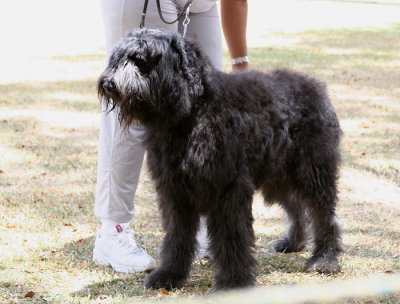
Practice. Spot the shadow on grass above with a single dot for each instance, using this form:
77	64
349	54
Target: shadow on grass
200	282
280	262
131	286
78	253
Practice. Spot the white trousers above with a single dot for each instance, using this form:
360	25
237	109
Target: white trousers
121	153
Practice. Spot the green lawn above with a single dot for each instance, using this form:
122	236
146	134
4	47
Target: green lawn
48	148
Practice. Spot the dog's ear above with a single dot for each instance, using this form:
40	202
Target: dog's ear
192	63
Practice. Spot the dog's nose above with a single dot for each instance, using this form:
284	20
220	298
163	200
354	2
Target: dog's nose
108	85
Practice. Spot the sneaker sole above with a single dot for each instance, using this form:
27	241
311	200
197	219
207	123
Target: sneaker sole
104	261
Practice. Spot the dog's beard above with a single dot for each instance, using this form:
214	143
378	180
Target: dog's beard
131	98
129	81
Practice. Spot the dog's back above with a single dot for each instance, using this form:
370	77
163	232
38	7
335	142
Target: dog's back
272	119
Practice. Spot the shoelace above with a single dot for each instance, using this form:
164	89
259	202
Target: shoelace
126	241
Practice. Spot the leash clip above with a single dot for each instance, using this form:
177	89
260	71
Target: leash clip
186	21
185	9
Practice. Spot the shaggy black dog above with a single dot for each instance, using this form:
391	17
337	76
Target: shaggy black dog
213	139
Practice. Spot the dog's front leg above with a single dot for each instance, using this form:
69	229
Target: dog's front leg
181	222
230	227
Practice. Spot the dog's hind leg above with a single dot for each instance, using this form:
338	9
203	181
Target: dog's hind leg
326	241
230	228
295	238
321	196
181	222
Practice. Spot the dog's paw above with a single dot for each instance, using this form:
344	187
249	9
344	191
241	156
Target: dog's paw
163	279
286	246
325	265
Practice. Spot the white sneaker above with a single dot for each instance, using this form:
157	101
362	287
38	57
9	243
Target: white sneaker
202	251
117	247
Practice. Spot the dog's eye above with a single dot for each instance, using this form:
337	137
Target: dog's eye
140	63
144	66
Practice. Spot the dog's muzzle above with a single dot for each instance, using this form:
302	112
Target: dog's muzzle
108	85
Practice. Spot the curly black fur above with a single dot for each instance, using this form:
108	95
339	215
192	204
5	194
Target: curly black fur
213	139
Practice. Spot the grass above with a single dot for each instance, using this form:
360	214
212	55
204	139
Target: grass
48	148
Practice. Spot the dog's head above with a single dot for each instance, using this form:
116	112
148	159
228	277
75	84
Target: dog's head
154	77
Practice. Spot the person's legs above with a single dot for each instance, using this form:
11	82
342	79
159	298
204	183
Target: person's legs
205	29
121	152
